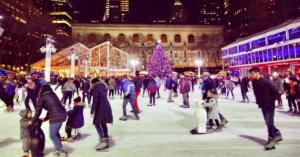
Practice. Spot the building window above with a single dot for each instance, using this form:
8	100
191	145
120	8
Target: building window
292	51
286	52
275	57
265	52
270	55
298	50
135	38
280	55
150	38
107	37
177	38
164	38
191	38
121	37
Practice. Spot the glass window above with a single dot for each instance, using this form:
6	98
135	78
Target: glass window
276	38
261	57
233	50
292	50
270	55
297	50
243	59
253	58
257	57
294	33
274	50
258	43
279	51
249	58
244	47
265	53
285	52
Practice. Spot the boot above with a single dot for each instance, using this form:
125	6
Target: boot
278	137
270	144
60	153
103	144
224	122
123	118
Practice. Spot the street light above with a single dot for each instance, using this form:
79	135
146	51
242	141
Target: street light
134	63
73	57
199	62
48	49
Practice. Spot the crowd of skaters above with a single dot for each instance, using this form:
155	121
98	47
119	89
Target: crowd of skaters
96	93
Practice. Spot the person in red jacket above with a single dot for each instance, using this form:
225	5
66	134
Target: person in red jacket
152	88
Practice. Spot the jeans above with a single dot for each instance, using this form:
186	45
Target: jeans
111	93
102	130
244	95
84	95
67	95
292	102
152	98
185	97
55	136
33	100
269	120
145	89
125	102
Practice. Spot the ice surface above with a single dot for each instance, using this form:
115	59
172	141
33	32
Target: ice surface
163	131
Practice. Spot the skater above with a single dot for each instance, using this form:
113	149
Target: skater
279	87
3	94
169	86
145	85
201	119
101	112
111	86
56	114
138	83
75	120
85	87
229	85
244	83
129	96
77	83
32	93
25	130
184	88
213	114
11	91
152	89
158	83
175	86
68	91
266	94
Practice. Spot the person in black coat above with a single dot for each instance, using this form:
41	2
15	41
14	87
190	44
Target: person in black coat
56	114
146	81
244	83
101	112
85	87
266	94
3	94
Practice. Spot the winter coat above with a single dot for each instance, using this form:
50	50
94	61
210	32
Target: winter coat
76	83
129	88
169	83
138	83
49	101
75	116
265	93
85	86
278	85
158	81
229	85
25	127
152	87
184	86
208	84
69	86
245	85
101	107
212	104
3	94
11	89
112	84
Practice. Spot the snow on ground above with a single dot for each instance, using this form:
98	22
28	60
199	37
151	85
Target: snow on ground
164	131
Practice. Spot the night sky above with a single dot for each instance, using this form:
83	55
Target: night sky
141	10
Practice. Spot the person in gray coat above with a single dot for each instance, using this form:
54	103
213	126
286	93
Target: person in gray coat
25	130
278	83
101	112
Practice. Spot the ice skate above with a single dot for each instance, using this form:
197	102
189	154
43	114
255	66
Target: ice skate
103	145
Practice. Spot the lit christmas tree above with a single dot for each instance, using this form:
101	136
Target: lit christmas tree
159	64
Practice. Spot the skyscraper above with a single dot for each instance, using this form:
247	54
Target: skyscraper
210	12
178	14
116	11
61	12
246	17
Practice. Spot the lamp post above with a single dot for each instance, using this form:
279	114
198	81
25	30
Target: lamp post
199	62
73	57
86	65
134	63
48	50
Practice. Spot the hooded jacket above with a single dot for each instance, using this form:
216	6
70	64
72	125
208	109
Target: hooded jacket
25	128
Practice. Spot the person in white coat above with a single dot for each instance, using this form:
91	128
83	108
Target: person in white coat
213	113
201	119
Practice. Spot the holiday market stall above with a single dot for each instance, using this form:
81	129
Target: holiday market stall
81	60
